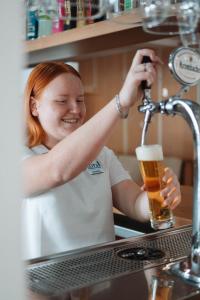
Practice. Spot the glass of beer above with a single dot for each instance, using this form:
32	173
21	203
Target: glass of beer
161	288
150	158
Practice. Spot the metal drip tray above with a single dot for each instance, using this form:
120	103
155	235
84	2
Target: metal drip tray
59	274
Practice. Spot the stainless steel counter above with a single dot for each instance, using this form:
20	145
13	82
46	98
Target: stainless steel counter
134	268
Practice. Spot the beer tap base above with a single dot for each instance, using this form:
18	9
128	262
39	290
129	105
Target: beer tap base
183	269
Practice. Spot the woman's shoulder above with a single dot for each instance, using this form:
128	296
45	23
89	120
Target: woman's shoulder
107	151
106	154
28	152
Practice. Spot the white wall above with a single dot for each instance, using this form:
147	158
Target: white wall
27	71
11	273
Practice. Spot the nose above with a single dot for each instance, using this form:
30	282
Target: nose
74	107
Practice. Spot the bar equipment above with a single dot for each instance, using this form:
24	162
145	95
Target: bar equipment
184	64
160	217
147	101
121	269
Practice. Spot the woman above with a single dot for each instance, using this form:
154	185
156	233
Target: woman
71	181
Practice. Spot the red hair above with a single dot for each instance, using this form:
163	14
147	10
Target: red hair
38	79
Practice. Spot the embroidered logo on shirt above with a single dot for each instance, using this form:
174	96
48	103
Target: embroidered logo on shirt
95	168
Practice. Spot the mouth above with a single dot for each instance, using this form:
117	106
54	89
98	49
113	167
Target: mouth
71	121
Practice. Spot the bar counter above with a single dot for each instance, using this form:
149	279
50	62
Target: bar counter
130	268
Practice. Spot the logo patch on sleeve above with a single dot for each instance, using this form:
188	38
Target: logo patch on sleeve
95	168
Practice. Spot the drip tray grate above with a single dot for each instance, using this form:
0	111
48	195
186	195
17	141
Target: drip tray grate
65	273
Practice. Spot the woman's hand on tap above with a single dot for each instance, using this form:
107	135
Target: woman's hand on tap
131	90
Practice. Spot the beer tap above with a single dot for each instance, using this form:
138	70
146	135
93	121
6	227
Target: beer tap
184	64
148	106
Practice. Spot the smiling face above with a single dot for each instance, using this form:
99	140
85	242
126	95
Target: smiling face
60	108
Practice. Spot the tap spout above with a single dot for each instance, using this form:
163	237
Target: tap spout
150	106
147	120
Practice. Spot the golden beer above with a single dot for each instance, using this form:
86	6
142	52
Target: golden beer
152	171
161	289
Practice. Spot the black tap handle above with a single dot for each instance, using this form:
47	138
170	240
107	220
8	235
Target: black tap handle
144	85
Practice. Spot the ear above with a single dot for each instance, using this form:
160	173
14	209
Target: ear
33	107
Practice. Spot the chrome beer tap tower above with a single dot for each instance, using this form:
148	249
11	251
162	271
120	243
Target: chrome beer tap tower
184	64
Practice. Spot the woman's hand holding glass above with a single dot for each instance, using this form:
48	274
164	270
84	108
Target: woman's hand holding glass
172	192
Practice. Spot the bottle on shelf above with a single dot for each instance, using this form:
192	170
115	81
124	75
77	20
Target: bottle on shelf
128	5
115	8
67	8
45	18
121	5
32	19
88	12
59	17
99	10
80	14
70	14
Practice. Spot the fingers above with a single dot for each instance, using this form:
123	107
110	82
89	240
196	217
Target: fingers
144	76
145	52
147	67
170	178
168	173
171	193
172	199
175	202
144	72
143	188
131	91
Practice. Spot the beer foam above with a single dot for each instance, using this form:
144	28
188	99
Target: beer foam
149	152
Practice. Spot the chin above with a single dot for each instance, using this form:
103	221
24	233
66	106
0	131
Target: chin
63	132
70	129
67	132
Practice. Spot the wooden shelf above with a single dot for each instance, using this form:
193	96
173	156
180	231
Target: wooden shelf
121	31
123	22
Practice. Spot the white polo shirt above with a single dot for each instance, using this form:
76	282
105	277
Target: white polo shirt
73	215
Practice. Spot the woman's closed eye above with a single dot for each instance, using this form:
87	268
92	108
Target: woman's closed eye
80	100
61	101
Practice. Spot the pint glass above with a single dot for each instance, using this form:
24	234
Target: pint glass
150	158
161	288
